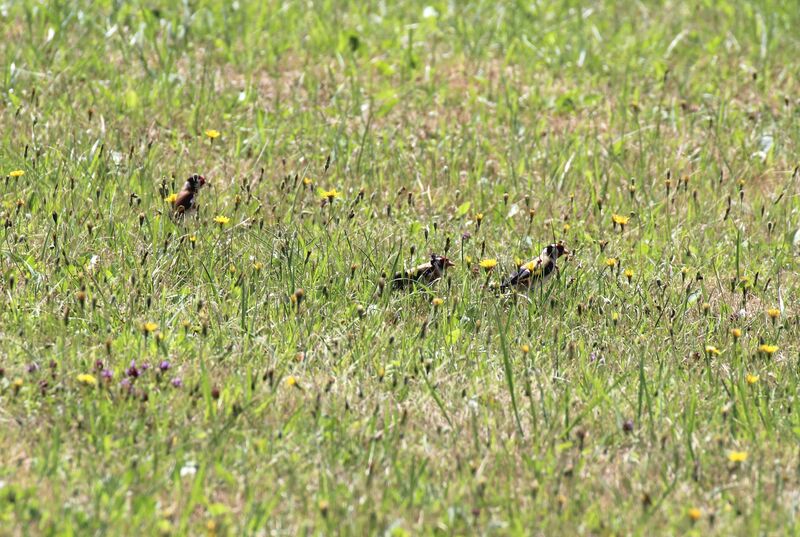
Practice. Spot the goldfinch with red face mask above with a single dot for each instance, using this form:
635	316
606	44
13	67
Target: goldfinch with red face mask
187	197
426	273
537	271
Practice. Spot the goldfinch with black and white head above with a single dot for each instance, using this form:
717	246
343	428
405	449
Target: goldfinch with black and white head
187	197
538	271
426	273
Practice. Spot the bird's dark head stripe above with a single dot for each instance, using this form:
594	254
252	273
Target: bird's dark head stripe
194	182
555	250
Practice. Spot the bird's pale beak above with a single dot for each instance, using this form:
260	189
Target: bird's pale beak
449	263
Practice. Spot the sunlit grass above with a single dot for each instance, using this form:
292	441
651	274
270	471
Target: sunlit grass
250	367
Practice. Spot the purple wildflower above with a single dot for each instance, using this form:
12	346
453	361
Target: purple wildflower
627	426
132	371
177	382
164	365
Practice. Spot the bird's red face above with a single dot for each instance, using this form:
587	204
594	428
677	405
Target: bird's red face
201	180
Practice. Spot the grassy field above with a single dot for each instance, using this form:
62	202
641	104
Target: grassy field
247	370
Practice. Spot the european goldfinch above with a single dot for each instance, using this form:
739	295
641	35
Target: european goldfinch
538	271
426	273
186	199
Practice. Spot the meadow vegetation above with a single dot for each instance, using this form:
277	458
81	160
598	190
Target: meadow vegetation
247	369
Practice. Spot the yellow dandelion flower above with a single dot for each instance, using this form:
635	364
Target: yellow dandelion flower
291	381
736	333
306	181
479	217
18	382
330	195
751	379
737	456
87	379
468	259
694	514
212	133
711	349
525	348
611	262
774	313
437	301
17	173
488	264
619	219
629	274
149	327
171	198
566	227
768	349
232	269
221	220
257	266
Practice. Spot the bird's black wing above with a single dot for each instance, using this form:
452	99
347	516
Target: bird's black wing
522	276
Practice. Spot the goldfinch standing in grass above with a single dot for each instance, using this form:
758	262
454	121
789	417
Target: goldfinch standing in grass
426	273
187	197
538	271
